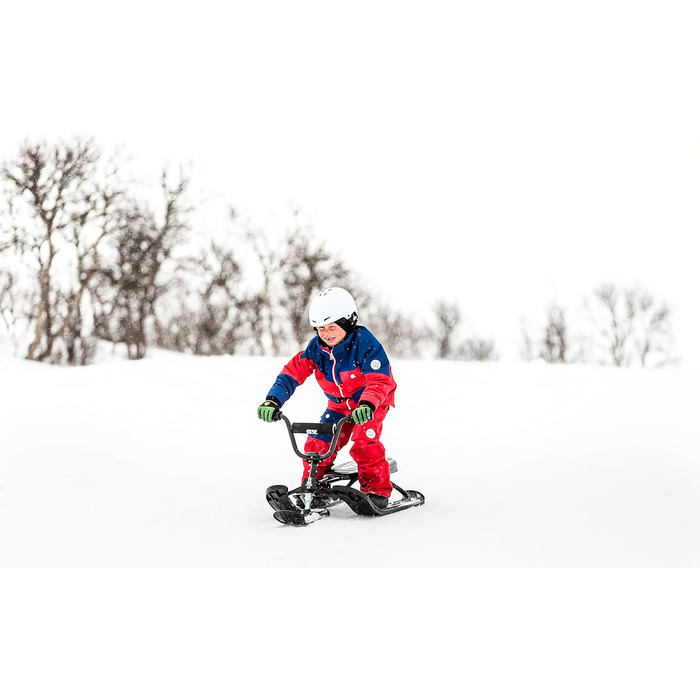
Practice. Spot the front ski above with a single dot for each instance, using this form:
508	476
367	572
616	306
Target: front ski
298	518
362	505
278	498
287	512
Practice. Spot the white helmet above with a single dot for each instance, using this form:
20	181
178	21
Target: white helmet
333	305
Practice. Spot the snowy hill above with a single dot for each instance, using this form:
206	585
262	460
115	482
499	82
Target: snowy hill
163	463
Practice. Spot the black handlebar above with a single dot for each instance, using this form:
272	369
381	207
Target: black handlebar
314	429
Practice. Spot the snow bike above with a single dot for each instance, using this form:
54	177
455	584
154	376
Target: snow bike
311	501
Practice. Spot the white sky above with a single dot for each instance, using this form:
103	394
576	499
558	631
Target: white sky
499	154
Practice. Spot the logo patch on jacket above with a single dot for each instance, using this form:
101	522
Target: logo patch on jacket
375	364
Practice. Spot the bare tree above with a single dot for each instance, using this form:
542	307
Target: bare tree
264	305
252	311
528	342
54	193
618	329
446	335
654	338
631	327
448	318
135	281
476	350
400	334
555	344
15	302
292	267
217	324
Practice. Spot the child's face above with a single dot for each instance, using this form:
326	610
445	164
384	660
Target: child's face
331	334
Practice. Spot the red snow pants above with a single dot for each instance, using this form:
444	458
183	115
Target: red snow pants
367	450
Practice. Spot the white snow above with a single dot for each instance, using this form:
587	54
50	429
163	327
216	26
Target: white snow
163	463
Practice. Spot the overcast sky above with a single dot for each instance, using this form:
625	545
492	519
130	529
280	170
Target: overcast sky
499	154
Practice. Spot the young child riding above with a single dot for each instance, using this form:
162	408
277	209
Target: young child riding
353	370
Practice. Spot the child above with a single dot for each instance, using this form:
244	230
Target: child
353	370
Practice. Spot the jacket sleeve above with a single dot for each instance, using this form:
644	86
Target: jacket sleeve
294	373
375	367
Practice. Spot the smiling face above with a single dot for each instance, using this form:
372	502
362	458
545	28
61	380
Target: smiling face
332	334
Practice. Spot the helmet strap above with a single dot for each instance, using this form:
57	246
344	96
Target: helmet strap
348	324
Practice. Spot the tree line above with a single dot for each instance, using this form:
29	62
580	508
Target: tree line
618	326
89	254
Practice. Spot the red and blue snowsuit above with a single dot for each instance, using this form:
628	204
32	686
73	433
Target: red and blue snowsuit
354	370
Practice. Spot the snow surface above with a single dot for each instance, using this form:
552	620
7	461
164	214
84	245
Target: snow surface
163	462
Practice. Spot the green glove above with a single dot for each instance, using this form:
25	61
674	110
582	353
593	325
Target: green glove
363	413
269	409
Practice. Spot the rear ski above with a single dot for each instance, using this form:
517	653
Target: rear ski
362	505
